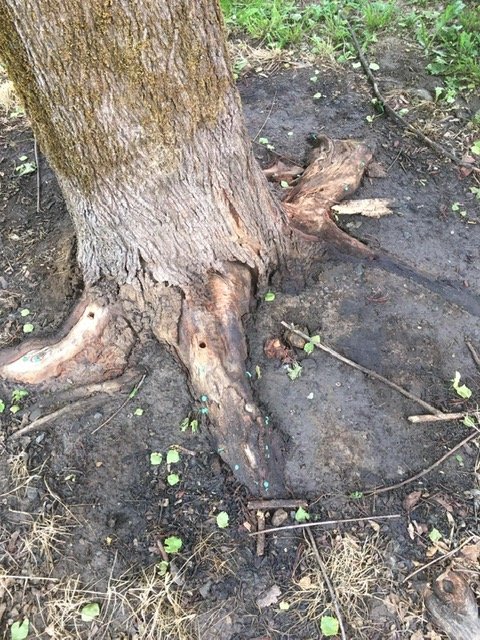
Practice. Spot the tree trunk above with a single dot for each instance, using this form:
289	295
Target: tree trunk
134	105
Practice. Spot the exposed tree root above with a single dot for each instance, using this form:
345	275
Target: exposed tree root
334	172
453	606
93	346
212	346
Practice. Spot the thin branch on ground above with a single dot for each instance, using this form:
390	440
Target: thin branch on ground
368	372
435	560
439	149
473	351
325	523
444	417
328	582
267	118
266	505
84	403
419	475
130	396
39	175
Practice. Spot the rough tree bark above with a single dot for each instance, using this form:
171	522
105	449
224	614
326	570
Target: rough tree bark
134	106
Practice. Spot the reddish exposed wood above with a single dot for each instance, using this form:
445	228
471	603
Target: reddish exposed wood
453	606
95	348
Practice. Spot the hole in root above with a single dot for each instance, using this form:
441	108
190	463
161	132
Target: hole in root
202	345
91	315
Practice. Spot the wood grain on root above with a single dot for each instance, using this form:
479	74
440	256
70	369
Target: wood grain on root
93	346
453	606
212	346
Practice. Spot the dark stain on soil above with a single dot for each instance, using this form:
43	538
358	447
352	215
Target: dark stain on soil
347	433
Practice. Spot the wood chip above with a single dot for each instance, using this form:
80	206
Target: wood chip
368	207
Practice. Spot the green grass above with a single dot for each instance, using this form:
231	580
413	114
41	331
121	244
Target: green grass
448	33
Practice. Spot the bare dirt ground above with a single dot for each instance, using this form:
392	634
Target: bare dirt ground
83	512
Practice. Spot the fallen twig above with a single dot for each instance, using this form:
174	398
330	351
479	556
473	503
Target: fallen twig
439	149
324	523
330	587
443	417
266	505
435	560
397	485
261	533
473	351
368	372
131	395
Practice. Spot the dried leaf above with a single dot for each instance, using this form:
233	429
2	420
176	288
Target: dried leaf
269	597
471	553
411	500
275	348
376	170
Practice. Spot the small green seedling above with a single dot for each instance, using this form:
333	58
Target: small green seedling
189	424
269	296
459	459
25	312
222	520
19	630
475	148
2	406
17	396
173	456
284	605
162	567
329	626
284	184
317	96
173	479
356	495
456	209
26	167
309	346
461	390
301	515
172	544
468	421
138	412
28	327
294	371
155	458
90	611
435	535
476	192
373	66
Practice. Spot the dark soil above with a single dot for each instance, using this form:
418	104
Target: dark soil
347	433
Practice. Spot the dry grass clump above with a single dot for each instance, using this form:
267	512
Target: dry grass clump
358	574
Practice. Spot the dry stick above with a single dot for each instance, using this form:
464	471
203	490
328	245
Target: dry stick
39	177
324	523
441	418
333	595
115	413
267	118
435	560
441	151
475	356
368	372
255	505
84	403
473	435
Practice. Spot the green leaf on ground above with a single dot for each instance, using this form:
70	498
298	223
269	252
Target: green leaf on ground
461	390
2	406
329	626
25	312
374	66
435	535
301	515
156	458
309	347
138	412
90	611
475	148
28	327
222	520
173	479
173	456
172	544
19	630
468	421
269	296
294	371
